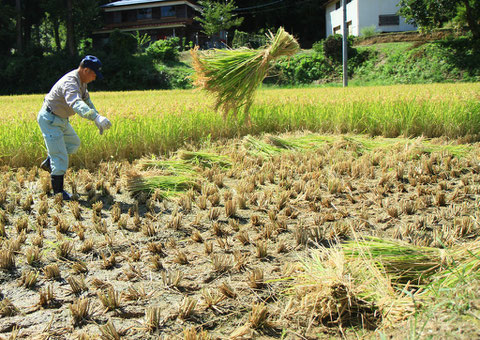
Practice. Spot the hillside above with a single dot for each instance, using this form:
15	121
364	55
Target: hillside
385	60
421	61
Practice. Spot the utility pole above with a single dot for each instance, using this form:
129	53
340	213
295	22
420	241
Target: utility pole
344	45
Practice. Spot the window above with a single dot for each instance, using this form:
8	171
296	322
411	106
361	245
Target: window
388	20
144	14
117	17
339	30
168	11
338	4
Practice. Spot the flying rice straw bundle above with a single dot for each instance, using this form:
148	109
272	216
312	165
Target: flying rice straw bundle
234	75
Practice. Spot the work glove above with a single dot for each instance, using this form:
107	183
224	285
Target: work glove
102	123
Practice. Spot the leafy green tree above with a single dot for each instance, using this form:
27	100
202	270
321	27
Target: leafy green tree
7	28
434	13
218	16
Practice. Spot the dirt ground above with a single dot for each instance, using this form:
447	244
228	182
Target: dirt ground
405	37
219	258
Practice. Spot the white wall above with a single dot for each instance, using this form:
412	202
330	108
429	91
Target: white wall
334	17
369	11
364	13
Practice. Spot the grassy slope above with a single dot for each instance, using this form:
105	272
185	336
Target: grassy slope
419	63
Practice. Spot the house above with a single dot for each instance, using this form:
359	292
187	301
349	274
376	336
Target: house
159	19
383	14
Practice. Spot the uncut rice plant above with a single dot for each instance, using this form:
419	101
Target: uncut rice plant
141	127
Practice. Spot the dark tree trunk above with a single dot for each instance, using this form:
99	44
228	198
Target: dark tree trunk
472	19
56	34
70	32
19	25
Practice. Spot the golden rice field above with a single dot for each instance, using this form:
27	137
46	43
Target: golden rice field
158	122
339	213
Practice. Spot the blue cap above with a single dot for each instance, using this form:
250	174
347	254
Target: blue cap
94	64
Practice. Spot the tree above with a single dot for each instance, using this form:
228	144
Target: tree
70	29
217	16
7	28
19	25
434	13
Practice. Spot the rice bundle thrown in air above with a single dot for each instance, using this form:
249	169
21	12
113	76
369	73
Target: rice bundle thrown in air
234	75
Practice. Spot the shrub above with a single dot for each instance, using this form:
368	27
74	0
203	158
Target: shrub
243	39
318	47
368	31
121	44
302	69
164	50
332	47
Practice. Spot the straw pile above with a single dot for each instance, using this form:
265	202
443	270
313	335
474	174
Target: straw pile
234	75
334	289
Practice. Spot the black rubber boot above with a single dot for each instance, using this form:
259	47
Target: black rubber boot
46	165
57	186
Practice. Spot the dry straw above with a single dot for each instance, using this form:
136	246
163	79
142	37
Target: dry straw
234	75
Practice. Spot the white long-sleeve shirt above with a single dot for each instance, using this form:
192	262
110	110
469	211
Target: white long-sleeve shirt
69	96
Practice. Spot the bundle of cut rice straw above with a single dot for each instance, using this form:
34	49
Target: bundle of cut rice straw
234	75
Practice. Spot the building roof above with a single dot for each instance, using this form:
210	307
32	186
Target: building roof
132	3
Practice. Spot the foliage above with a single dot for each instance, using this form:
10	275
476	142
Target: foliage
434	13
164	50
244	39
143	41
218	16
120	43
7	29
332	47
318	46
368	31
177	77
302	69
33	73
37	74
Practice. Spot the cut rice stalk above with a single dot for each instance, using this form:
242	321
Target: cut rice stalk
415	264
464	269
205	159
259	148
234	75
170	166
282	143
402	261
165	186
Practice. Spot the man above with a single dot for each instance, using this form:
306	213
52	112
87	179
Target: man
68	96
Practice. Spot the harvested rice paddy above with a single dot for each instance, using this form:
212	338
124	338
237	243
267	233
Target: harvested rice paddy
290	236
